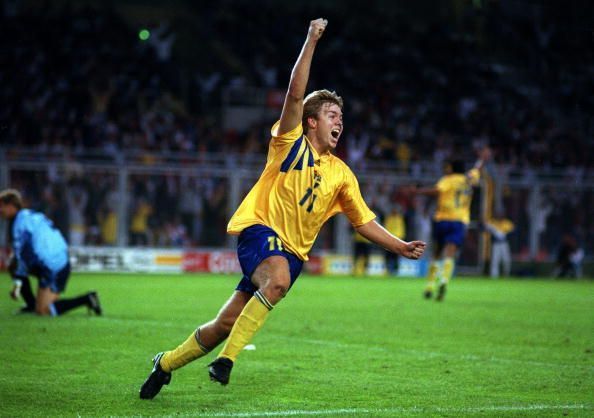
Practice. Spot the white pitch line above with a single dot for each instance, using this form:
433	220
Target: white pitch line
391	411
426	354
433	354
142	321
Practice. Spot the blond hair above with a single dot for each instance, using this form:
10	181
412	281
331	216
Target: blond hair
314	101
11	197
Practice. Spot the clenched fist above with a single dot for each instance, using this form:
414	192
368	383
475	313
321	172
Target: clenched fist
316	28
413	250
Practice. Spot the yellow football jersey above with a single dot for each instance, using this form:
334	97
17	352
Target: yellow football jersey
298	191
455	196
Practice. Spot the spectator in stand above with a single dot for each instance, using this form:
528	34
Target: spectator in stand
77	199
361	254
108	226
139	230
395	224
190	207
500	227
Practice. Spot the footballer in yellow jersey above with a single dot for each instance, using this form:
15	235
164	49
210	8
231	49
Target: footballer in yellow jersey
454	196
298	192
303	184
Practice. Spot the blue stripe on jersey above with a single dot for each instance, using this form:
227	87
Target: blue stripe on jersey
299	165
310	161
292	155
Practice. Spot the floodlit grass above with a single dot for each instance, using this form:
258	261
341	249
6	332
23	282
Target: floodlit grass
334	347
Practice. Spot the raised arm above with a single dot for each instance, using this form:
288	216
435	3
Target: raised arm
293	106
484	156
377	234
494	231
427	191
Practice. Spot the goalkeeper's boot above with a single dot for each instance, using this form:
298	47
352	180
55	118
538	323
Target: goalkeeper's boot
441	291
220	370
94	304
153	384
427	294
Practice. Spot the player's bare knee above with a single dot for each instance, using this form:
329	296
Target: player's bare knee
273	278
42	310
270	269
276	289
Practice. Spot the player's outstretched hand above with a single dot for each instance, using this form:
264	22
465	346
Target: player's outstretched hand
12	265
413	250
316	28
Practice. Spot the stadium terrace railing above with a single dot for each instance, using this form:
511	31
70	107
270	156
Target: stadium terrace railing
579	176
541	204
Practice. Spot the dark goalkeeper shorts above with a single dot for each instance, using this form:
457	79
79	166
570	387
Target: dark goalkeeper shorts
255	244
55	280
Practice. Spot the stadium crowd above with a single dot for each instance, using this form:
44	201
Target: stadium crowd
82	83
83	80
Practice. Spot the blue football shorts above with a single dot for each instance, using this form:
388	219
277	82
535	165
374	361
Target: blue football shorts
445	232
255	244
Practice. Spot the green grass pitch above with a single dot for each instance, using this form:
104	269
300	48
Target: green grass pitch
341	346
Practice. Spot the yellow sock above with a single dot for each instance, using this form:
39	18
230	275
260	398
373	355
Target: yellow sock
186	352
432	276
248	323
448	269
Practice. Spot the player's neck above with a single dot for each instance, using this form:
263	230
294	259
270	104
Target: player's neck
320	147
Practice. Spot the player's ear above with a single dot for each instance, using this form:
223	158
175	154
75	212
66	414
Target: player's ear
312	122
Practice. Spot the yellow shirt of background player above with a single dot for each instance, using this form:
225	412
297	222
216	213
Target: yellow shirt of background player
455	196
298	191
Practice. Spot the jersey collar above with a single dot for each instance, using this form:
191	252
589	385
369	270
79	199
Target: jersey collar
318	159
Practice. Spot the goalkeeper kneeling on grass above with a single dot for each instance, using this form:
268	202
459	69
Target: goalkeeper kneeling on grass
39	249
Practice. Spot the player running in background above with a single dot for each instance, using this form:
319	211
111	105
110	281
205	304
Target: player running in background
452	215
39	249
301	187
